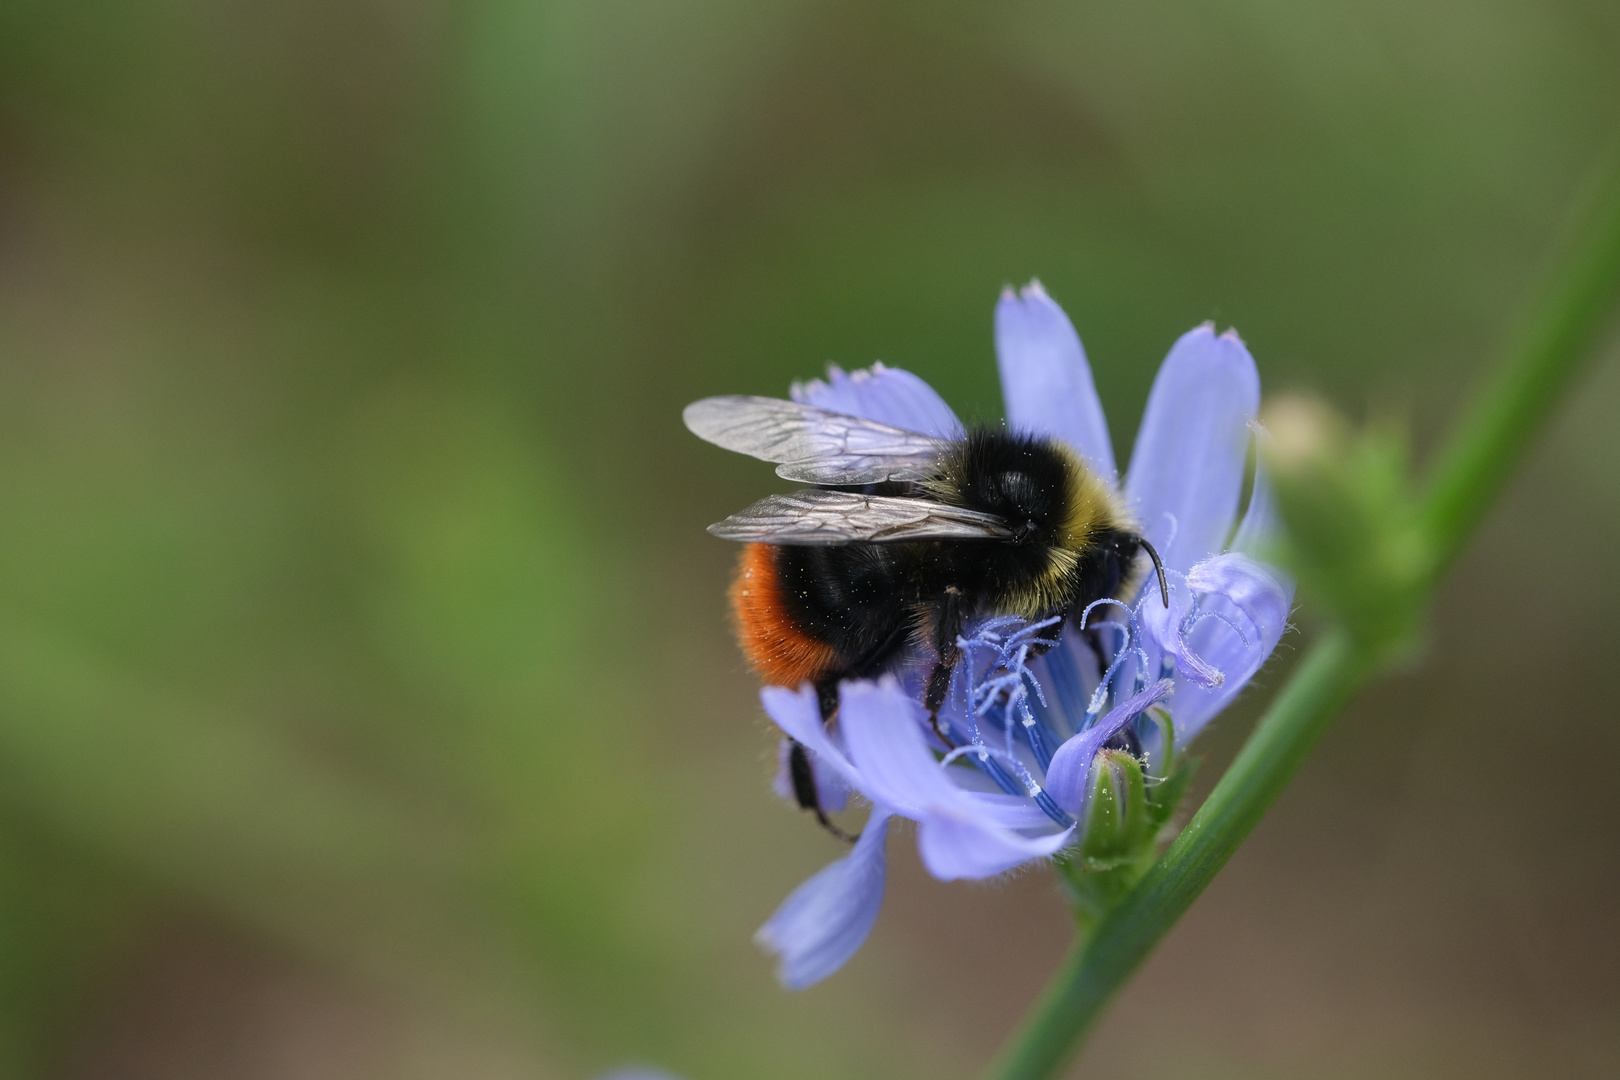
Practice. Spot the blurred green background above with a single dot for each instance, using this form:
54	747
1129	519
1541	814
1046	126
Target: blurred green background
367	706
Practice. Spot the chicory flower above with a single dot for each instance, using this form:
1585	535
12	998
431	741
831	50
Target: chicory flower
1028	719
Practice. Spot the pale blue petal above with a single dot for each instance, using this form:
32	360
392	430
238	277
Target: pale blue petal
831	791
1009	811
1069	775
822	924
960	833
1045	380
885	394
956	846
1259	527
881	727
637	1073
1186	473
1162	627
798	714
1250	597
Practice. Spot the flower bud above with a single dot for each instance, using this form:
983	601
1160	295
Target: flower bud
1118	843
1117	820
1353	537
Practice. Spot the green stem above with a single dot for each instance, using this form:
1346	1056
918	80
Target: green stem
1546	355
1470	471
1327	677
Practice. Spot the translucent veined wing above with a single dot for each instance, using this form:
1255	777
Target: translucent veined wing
813	446
820	516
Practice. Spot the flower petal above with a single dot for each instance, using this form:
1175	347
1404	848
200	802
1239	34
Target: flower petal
1248	595
953	847
881	727
1165	628
832	794
885	394
960	834
1045	380
1186	472
1067	777
825	920
1260	521
1008	811
798	714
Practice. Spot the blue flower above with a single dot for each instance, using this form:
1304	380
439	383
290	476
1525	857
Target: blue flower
1028	725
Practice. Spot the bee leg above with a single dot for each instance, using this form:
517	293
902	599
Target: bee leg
803	776
939	681
1041	646
827	698
946	631
1127	740
1093	639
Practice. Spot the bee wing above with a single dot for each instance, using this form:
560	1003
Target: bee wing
820	516
813	446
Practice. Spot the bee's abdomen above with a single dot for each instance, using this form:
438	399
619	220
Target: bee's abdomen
813	613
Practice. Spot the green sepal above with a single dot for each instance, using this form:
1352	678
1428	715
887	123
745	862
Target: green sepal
1127	815
1117	812
1167	778
1159	717
1165	796
1118	842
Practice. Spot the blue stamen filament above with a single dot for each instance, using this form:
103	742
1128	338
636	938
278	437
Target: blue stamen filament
1009	688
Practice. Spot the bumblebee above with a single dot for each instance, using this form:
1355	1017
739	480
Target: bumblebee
899	540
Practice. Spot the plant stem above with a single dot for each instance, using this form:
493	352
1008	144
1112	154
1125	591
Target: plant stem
1547	354
1326	678
1470	471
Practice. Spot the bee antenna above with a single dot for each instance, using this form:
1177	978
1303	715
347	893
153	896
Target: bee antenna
1158	567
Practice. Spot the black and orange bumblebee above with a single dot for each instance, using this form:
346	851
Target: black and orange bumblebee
900	540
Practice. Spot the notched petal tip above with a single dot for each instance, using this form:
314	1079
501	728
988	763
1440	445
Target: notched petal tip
798	714
826	920
1192	447
1046	382
889	395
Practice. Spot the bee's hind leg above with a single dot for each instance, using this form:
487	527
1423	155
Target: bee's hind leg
827	698
802	771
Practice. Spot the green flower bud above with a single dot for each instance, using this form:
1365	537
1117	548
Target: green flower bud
1127	813
1353	536
1117	818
